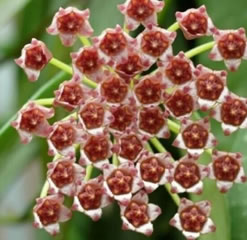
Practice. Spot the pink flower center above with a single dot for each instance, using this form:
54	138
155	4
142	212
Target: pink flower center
131	146
195	136
137	213
123	117
114	90
30	120
140	10
120	182
35	58
187	174
152	170
151	120
63	174
192	219
97	148
178	71
63	137
180	103
92	115
88	61
154	43
90	197
209	86
226	168
70	23
113	44
49	212
148	91
231	46
195	23
233	112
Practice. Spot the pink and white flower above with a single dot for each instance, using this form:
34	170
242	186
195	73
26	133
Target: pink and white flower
195	22
227	169
64	136
154	170
231	113
193	219
91	198
230	46
138	12
210	86
49	211
64	175
138	214
187	176
34	57
121	182
70	22
32	120
195	137
96	150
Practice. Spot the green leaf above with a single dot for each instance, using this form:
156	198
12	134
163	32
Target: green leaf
10	8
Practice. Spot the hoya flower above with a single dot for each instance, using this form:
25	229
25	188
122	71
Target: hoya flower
193	219
195	22
95	150
129	146
64	175
71	94
181	103
34	57
230	46
226	169
114	90
195	137
91	198
151	122
148	90
138	12
210	86
88	62
124	118
32	120
113	44
70	22
94	117
139	214
122	181
64	136
156	43
232	113
128	67
177	70
154	170
187	176
49	211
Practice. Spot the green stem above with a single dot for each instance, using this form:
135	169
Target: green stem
45	101
61	65
174	27
158	145
200	49
85	41
175	197
173	126
89	171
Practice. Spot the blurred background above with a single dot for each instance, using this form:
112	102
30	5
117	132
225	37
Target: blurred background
23	168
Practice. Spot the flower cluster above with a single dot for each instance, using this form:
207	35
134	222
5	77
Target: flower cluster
112	124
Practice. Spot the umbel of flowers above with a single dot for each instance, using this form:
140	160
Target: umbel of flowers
113	123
